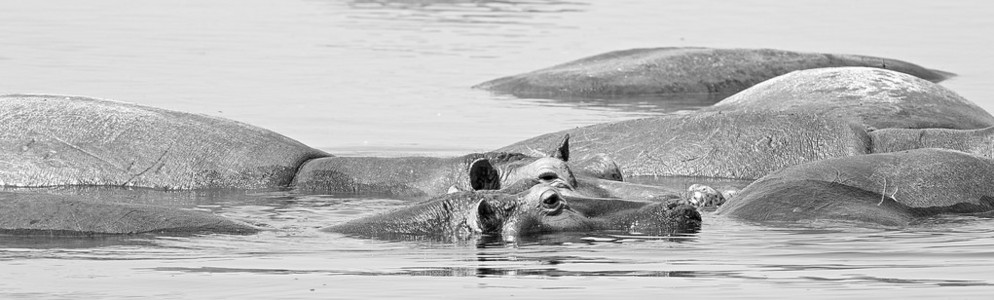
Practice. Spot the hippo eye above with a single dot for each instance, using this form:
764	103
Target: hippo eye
551	201
548	176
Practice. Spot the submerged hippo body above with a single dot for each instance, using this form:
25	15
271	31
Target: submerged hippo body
45	214
514	213
61	140
749	137
887	188
680	71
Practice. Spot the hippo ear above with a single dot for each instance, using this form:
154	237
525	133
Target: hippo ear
483	175
453	189
484	218
562	150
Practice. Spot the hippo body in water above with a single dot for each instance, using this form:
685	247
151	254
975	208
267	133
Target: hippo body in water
655	71
887	188
61	215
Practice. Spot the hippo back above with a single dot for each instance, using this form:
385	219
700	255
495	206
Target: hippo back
877	97
61	140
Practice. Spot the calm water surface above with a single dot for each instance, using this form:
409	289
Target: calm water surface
391	78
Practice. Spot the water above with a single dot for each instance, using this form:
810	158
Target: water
391	78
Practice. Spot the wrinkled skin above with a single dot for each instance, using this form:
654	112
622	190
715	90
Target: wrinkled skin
977	141
46	214
749	137
61	140
888	188
875	97
689	70
513	213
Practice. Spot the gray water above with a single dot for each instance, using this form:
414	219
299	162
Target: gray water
391	78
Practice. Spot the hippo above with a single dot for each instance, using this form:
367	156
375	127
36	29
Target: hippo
680	70
522	210
741	139
891	189
423	177
414	177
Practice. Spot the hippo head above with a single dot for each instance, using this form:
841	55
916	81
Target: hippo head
535	209
548	169
489	171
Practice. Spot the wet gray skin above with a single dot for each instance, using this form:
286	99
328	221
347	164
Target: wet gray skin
526	208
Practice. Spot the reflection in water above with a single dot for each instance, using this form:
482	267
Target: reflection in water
546	239
458	272
648	105
138	195
492	272
70	242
